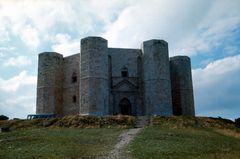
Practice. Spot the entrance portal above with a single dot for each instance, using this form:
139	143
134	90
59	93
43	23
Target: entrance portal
125	107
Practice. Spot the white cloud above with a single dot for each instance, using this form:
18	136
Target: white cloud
18	95
14	83
189	26
18	61
29	36
4	34
18	106
6	48
207	38
158	19
65	45
217	88
31	21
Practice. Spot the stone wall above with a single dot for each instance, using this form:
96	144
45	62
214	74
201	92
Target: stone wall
124	57
126	87
49	85
157	85
71	87
182	88
94	80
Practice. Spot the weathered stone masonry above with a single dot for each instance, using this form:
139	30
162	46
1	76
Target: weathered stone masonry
108	81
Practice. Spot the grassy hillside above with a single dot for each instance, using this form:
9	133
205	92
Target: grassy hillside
181	137
88	137
68	137
58	143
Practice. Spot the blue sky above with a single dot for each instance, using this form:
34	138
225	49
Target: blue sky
206	30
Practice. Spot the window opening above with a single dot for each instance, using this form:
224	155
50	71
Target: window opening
74	77
124	71
74	98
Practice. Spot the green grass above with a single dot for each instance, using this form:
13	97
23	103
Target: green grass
58	143
89	137
156	142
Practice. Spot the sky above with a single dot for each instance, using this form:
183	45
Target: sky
208	31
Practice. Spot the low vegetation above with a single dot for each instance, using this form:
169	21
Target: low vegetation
57	143
67	137
237	122
92	137
185	137
74	121
3	117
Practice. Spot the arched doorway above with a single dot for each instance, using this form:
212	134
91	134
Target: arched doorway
125	107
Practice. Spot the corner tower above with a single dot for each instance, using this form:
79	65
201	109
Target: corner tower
49	84
157	85
182	88
94	84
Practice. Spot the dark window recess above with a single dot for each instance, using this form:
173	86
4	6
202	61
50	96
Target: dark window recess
74	98
124	71
74	77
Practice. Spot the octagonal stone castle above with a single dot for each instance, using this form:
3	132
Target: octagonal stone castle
103	81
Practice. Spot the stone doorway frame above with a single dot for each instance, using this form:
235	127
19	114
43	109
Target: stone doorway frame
125	106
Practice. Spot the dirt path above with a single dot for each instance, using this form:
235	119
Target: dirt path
125	138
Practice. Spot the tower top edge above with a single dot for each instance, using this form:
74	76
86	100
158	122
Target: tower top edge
180	57
93	38
50	54
155	41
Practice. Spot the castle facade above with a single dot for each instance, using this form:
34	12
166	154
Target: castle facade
103	81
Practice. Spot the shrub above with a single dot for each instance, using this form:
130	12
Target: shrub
226	120
3	117
237	122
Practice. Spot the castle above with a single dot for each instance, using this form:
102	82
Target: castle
103	81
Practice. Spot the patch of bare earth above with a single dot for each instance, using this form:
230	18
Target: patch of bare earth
125	138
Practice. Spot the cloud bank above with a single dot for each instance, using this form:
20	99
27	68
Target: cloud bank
217	88
18	95
208	31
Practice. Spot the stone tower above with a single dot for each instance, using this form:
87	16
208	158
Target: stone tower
157	84
94	82
49	84
182	88
109	81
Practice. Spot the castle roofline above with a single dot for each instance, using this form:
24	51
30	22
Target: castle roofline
179	57
153	41
93	38
71	55
124	48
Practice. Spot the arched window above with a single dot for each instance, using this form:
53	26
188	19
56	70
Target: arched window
74	77
74	99
124	71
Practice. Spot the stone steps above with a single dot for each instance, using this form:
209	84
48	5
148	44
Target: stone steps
142	121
